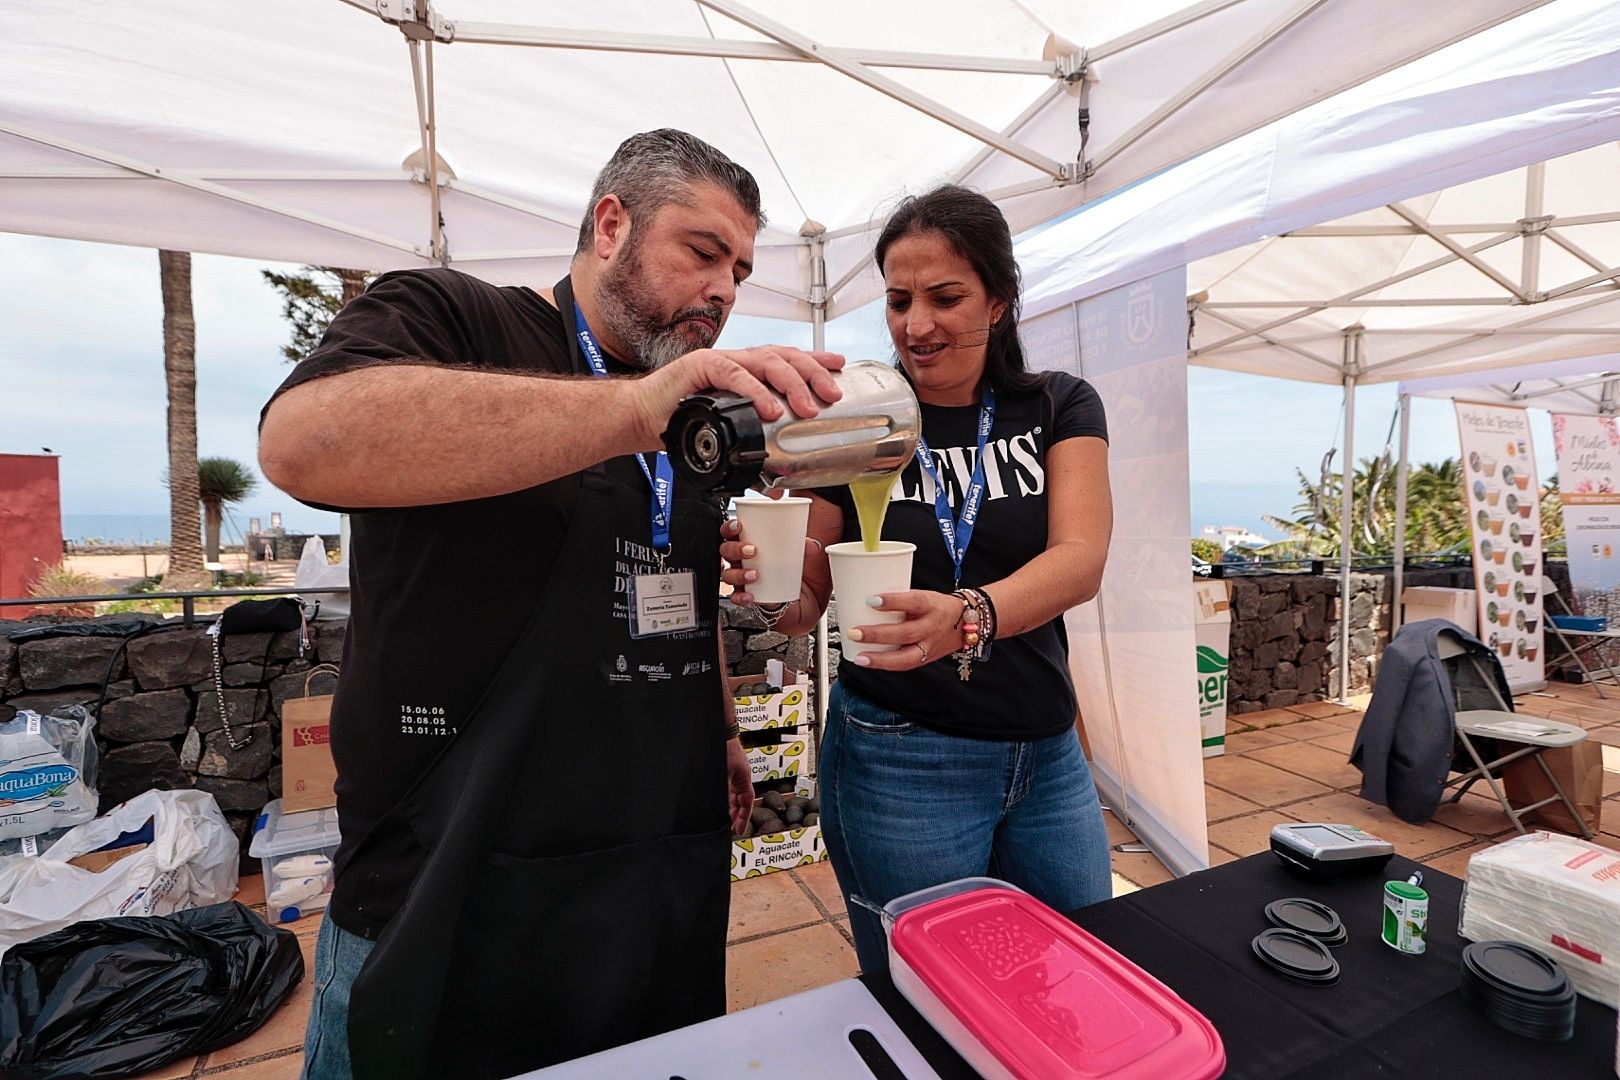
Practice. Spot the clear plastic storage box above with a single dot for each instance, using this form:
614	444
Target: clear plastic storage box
297	852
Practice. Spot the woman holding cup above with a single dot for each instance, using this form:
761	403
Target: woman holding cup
950	748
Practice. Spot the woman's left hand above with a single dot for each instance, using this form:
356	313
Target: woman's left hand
929	631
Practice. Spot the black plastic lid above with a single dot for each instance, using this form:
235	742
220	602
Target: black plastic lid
1309	917
1518	989
1296	955
1515	967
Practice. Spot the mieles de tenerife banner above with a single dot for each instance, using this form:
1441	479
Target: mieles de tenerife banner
1504	511
1588	478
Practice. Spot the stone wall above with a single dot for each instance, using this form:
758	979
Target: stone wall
750	644
1282	627
161	726
1285	631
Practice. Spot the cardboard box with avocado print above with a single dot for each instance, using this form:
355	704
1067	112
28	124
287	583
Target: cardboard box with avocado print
791	757
788	812
790	707
757	855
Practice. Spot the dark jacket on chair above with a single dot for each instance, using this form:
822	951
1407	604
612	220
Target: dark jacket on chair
1404	746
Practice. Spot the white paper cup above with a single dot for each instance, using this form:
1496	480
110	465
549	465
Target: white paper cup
858	574
776	528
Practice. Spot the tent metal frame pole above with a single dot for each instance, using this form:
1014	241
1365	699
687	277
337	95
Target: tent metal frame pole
1260	333
1501	279
146	170
1553	222
1534	228
1222	68
1324	305
1376	286
1481	335
422	83
840	61
1551	233
818	341
1347	545
1170	23
550	37
1602	379
1404	403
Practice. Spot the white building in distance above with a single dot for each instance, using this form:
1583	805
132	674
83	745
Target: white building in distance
1229	536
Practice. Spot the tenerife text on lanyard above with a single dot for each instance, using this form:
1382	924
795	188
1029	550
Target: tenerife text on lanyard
664	602
957	531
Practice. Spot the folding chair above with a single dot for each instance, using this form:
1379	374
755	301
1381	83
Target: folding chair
1577	643
1519	736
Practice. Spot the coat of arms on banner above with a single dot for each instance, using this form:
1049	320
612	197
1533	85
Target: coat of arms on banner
1141	315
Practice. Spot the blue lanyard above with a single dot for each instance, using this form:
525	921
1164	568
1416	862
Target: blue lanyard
663	485
958	531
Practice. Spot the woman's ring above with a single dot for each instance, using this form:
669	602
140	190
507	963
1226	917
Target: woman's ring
923	649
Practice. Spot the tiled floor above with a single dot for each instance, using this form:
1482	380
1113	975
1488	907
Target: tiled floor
789	931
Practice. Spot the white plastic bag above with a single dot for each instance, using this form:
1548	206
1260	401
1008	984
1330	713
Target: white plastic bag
191	862
47	772
314	572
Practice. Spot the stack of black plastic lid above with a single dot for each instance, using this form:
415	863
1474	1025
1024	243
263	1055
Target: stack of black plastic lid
1297	955
1309	918
1519	990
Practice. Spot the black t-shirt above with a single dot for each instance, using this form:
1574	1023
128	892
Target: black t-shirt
434	612
1023	690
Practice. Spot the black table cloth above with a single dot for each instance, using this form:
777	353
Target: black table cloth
1388	1015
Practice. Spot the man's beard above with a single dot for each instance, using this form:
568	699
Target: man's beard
652	340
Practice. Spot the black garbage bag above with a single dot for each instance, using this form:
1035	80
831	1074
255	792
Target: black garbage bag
117	997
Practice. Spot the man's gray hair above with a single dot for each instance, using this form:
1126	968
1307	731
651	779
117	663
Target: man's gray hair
651	170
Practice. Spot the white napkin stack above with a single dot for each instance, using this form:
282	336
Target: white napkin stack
1557	894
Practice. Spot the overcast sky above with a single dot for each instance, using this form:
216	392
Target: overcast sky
81	372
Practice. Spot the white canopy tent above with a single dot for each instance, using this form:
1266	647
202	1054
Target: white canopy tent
388	133
1456	224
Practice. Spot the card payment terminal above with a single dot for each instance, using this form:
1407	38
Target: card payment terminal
1327	852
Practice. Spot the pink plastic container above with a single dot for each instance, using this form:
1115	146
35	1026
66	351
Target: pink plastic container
1024	994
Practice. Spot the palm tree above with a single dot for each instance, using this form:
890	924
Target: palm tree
180	375
1436	512
310	300
1552	516
220	482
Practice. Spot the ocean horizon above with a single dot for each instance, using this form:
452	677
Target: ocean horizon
1212	504
138	529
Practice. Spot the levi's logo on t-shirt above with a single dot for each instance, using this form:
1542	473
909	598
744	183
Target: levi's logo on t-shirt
1013	467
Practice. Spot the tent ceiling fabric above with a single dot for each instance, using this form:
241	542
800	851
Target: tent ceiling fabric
1513	268
1510	258
283	132
1587	385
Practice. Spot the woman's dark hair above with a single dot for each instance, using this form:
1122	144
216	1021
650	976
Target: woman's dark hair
974	228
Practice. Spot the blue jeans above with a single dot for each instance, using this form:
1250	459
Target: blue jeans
904	807
338	959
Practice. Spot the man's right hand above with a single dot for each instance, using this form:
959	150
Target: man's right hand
803	378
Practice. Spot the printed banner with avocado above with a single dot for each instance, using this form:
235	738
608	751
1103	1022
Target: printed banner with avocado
1504	511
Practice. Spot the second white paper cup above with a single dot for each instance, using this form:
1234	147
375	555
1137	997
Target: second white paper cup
858	574
776	528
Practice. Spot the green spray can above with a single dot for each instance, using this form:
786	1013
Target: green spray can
1406	916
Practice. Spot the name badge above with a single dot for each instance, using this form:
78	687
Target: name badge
662	603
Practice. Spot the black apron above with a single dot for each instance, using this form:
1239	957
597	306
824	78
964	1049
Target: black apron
575	891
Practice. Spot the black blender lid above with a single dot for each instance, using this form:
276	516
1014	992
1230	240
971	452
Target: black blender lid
1515	967
1309	917
1296	955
